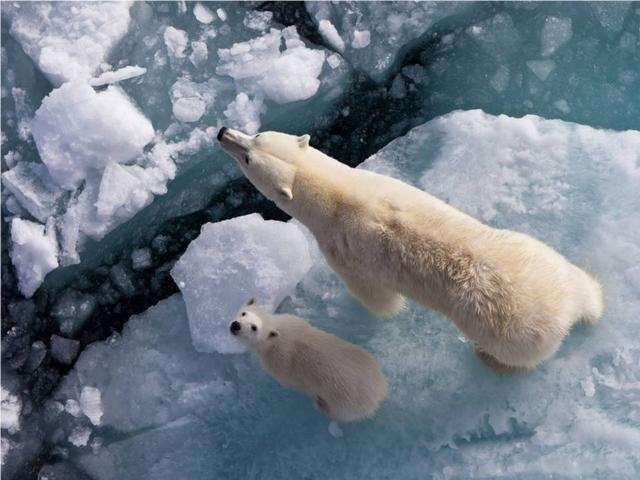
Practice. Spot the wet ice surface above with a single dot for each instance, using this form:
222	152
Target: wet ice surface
80	399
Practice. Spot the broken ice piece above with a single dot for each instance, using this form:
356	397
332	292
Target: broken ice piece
124	73
64	350
91	404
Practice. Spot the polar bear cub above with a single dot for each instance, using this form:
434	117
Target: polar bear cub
344	381
512	295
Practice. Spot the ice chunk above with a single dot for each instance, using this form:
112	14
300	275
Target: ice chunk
176	41
244	113
372	34
34	253
11	408
36	355
259	66
611	15
331	35
190	100
34	188
79	437
203	14
222	14
497	36
91	404
68	42
79	131
141	259
72	309
230	262
555	33
121	278
124	73
199	53
64	350
121	193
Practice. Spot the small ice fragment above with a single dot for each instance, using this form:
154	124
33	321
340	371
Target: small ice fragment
500	80
141	258
222	14
203	14
189	109
11	406
334	60
331	35
34	253
541	68
588	387
72	309
64	350
199	53
121	279
91	404
361	39
176	41
36	355
256	20
334	430
80	436
124	73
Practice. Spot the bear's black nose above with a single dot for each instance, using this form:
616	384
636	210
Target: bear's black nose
221	132
235	327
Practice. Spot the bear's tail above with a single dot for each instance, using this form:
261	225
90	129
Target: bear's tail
592	300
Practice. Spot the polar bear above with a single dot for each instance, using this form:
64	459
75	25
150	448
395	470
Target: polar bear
344	381
512	295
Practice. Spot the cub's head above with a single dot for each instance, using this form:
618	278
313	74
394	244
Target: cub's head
251	327
268	159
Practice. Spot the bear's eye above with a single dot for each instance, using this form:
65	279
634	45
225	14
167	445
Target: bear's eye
254	328
243	314
246	159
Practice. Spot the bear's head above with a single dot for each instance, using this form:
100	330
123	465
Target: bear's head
251	325
269	159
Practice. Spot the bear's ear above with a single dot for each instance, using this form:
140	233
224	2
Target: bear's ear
251	301
286	193
273	334
303	141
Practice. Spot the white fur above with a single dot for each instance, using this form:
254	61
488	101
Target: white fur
514	296
344	381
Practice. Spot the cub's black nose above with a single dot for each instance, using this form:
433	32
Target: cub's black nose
235	327
221	132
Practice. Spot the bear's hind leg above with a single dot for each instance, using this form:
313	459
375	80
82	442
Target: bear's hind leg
495	364
379	300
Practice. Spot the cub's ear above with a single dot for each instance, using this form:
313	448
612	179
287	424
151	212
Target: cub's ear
286	193
303	141
273	334
251	301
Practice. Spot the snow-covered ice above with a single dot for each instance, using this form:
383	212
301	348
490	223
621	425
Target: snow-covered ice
229	263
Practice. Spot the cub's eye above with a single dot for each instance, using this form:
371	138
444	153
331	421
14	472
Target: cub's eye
246	159
254	328
243	314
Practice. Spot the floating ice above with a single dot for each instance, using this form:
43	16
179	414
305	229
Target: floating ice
260	66
203	14
68	42
11	408
555	33
230	262
34	189
542	68
190	100
176	41
124	73
141	259
80	436
34	253
72	309
79	131
256	20
371	34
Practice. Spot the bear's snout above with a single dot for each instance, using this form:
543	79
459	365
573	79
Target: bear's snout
235	327
221	132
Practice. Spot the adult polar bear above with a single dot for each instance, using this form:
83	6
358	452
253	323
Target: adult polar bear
514	296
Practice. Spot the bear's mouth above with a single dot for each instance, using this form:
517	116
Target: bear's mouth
234	142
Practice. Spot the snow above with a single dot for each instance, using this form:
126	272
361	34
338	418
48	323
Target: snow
124	73
236	260
34	253
34	189
78	131
68	43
